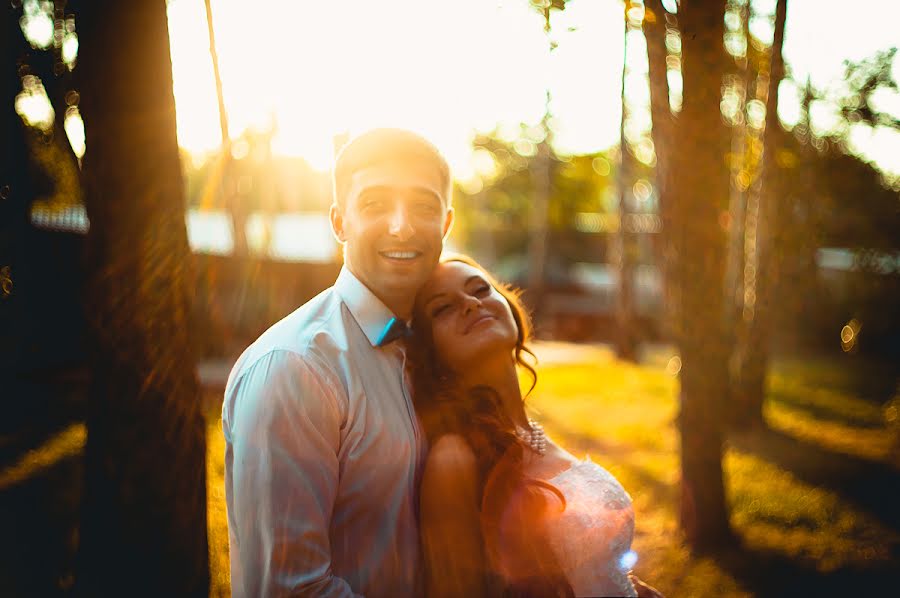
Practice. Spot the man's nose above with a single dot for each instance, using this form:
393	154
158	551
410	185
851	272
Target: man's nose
400	225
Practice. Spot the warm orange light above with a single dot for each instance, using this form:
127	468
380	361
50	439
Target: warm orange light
445	69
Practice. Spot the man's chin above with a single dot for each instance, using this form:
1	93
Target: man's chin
409	280
402	283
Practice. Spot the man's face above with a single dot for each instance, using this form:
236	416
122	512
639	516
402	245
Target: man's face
393	222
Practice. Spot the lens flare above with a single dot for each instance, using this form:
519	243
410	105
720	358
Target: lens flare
627	560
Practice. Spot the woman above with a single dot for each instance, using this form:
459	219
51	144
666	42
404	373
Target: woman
504	510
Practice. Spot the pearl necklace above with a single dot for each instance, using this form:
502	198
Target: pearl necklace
536	439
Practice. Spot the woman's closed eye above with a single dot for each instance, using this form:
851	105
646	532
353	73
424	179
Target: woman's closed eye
440	310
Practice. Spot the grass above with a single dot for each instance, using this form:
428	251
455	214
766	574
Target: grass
814	500
796	535
219	567
67	443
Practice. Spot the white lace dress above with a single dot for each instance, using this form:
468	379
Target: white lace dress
592	537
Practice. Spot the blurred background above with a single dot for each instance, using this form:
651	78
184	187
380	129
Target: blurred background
700	200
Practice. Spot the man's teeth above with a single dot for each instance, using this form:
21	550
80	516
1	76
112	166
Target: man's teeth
400	255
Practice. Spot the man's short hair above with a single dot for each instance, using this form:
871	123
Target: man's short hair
379	146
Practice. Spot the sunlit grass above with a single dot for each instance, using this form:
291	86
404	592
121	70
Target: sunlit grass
67	443
867	443
773	510
820	403
219	566
623	415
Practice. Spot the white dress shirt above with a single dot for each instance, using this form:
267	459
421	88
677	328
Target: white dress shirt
322	456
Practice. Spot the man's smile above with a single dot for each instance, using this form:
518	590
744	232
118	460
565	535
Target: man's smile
400	255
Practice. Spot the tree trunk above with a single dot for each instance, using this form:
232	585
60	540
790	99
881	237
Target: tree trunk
754	353
224	180
623	240
741	152
144	515
654	27
537	242
699	180
543	187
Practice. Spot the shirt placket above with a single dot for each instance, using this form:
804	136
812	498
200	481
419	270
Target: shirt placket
407	395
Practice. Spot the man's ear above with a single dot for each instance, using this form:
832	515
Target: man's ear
336	215
448	222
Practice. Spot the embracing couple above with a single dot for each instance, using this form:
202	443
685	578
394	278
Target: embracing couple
377	441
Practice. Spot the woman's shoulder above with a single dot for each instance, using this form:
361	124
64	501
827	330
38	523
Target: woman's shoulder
450	479
451	451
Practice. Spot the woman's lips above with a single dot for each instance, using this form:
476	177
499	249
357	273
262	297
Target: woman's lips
478	321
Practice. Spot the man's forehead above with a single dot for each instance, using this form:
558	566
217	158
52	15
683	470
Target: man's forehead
397	175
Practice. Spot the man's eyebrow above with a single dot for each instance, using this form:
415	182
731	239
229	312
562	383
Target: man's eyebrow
374	189
389	186
431	193
417	192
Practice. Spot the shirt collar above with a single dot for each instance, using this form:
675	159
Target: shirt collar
369	312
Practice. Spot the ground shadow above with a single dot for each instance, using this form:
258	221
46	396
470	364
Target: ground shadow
873	379
871	485
37	407
39	518
39	510
766	573
798	400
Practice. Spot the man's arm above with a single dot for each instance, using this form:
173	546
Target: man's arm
285	433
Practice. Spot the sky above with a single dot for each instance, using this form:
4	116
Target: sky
449	69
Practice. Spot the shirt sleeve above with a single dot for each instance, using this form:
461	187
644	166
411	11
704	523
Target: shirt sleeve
284	439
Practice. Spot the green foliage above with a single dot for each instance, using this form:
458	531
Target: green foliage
863	79
501	209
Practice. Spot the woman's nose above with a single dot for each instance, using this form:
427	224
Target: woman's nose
470	302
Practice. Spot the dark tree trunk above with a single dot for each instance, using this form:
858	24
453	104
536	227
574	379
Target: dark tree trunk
753	355
655	26
699	181
144	519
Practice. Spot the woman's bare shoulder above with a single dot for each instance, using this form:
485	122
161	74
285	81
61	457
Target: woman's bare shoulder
450	480
451	452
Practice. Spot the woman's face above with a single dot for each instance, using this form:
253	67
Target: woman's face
469	319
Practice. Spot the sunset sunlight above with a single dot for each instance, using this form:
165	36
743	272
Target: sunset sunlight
445	69
450	298
310	71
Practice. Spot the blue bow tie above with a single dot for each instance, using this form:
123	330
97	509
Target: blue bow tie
395	329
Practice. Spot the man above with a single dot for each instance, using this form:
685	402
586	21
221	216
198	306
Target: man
323	448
